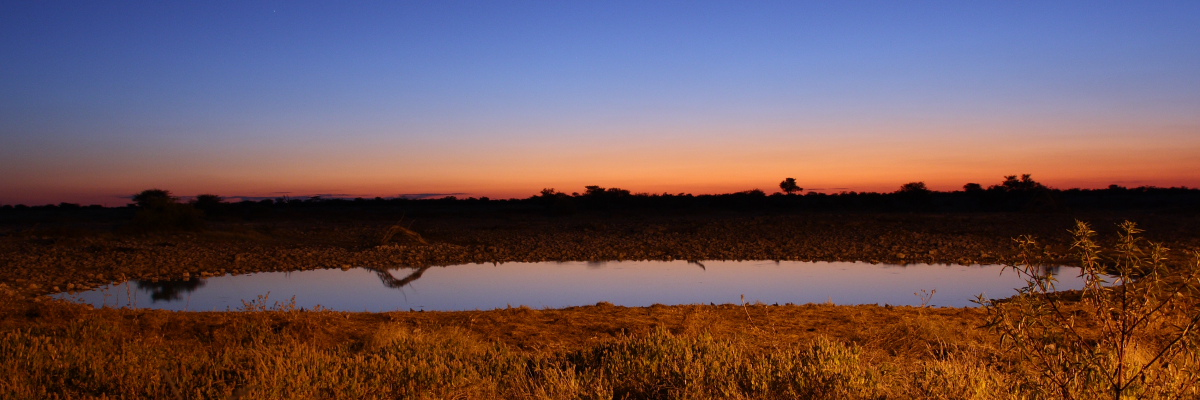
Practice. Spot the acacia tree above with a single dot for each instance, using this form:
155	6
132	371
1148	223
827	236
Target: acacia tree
208	199
210	204
914	188
1012	184
153	199
789	186
158	210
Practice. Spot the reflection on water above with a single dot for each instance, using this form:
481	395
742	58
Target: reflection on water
1049	270
555	285
390	281
169	290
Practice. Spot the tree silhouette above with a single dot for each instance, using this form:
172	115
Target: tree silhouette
210	204
913	188
154	199
1012	184
158	210
170	290
207	201
789	186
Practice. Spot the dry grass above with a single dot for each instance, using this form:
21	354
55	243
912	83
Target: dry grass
56	350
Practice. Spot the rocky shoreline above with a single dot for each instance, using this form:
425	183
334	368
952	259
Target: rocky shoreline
40	261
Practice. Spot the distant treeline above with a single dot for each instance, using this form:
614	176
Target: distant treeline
1021	194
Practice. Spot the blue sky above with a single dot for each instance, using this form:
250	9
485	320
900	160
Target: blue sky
100	99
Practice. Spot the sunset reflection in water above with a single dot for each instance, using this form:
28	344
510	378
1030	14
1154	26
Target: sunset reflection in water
556	285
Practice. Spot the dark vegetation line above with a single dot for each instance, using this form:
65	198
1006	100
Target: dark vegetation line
1014	194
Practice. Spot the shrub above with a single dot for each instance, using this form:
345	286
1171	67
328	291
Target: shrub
158	210
1132	334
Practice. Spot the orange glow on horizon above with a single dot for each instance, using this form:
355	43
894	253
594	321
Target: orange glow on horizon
671	162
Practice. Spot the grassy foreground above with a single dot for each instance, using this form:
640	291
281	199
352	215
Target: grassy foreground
55	350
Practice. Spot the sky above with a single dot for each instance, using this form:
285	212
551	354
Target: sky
100	100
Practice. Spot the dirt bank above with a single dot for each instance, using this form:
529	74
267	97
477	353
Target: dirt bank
42	259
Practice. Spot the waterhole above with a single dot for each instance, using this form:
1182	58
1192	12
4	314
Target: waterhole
565	284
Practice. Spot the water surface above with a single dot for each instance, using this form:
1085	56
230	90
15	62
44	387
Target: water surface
556	285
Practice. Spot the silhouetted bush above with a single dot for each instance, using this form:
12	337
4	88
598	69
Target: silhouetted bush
913	188
913	196
1012	184
158	211
212	205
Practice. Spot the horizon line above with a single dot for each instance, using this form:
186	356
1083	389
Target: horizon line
287	195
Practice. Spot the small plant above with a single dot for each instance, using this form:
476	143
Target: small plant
926	296
1131	337
261	304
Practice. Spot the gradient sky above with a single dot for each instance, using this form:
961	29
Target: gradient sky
99	100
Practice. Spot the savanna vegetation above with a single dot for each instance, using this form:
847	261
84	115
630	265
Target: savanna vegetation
1131	333
159	208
